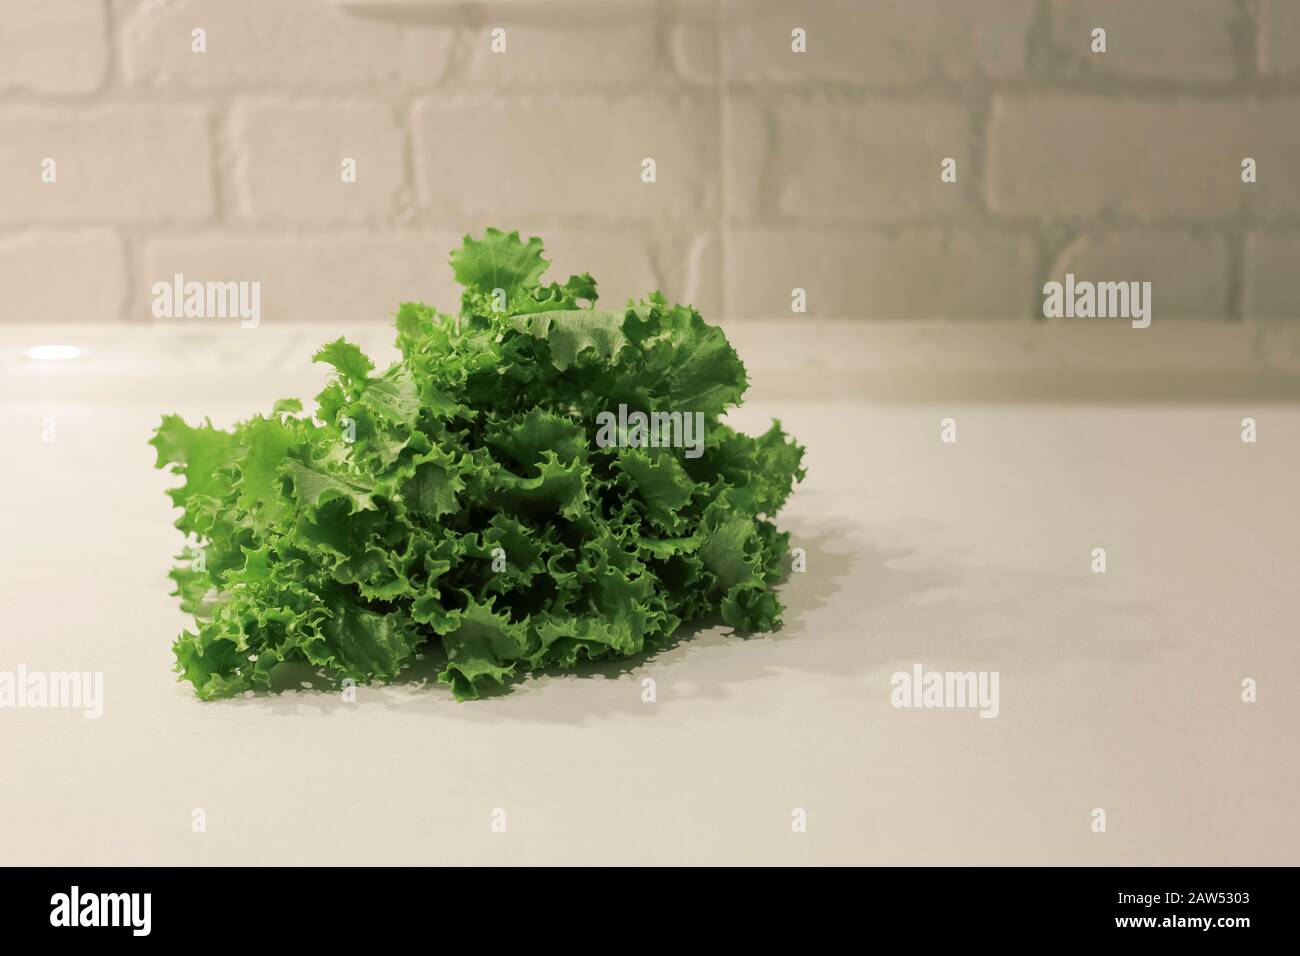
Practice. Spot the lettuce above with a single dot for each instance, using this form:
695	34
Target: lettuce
462	497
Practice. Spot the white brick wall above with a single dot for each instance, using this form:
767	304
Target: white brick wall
1181	40
323	275
72	276
606	47
1279	36
1190	270
847	273
488	158
1270	256
884	166
112	164
881	43
54	46
775	169
1147	159
259	45
288	162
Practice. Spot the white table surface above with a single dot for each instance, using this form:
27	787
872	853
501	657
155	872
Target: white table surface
1119	691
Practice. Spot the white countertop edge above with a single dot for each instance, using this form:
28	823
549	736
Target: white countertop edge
1184	359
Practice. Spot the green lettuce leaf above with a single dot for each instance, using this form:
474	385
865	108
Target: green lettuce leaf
467	501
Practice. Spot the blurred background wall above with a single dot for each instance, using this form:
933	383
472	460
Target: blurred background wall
775	169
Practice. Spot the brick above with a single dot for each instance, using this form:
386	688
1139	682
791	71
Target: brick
881	43
365	278
819	159
1188	272
255	44
1271	290
915	273
498	161
1078	156
114	163
327	278
602	47
623	263
1193	42
701	272
630	264
63	277
287	165
54	46
1279	36
693	42
748	143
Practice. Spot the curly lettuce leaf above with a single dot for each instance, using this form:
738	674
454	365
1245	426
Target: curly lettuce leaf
466	500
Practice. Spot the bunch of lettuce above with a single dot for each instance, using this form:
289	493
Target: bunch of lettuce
459	498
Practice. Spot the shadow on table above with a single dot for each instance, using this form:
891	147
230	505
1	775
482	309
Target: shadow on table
859	609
